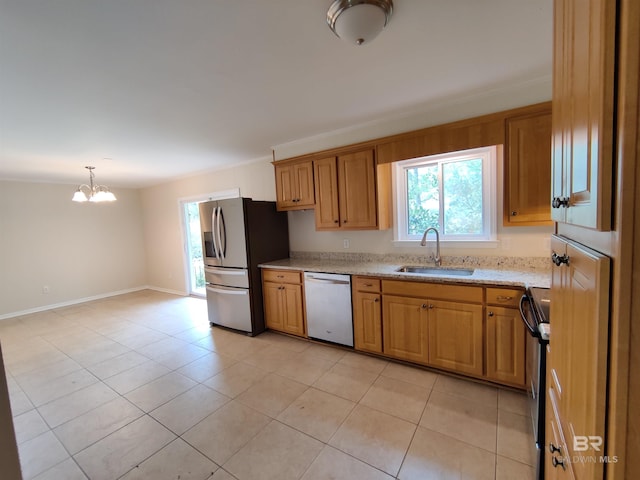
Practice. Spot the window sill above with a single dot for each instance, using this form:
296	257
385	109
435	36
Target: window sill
488	244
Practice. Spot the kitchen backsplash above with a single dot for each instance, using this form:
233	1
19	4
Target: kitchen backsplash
541	263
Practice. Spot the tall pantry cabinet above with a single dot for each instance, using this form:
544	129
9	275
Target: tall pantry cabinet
593	363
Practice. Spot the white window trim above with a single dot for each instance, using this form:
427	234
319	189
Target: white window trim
489	194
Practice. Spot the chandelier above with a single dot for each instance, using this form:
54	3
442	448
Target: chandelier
359	21
93	192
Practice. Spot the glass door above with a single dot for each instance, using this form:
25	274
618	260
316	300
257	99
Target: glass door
194	249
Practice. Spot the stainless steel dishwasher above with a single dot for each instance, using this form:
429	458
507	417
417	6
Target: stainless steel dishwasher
328	304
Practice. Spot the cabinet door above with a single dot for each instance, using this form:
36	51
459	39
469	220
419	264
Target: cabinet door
579	346
584	49
283	309
455	336
285	187
326	187
505	344
367	321
303	175
273	307
404	328
293	311
528	170
294	186
357	190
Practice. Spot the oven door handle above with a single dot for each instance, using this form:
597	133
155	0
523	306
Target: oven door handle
532	329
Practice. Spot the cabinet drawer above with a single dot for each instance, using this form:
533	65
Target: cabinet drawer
282	276
508	297
366	284
460	293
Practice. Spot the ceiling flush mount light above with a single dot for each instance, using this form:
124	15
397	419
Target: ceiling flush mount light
93	192
359	21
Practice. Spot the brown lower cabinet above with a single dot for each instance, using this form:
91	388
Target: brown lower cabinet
505	345
404	324
455	336
367	314
459	328
284	301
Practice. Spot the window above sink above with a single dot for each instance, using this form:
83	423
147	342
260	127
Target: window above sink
453	192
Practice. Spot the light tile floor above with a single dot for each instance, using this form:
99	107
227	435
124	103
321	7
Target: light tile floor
139	386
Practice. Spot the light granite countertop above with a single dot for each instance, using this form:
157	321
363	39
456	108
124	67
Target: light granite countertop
527	272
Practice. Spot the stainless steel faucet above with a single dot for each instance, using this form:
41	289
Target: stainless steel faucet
436	258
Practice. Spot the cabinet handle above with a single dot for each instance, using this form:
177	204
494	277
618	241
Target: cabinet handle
279	276
368	284
560	259
336	221
345	221
514	213
423	306
560	202
558	462
491	314
376	300
554	449
504	298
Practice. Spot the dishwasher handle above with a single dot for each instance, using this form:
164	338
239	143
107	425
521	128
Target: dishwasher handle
309	278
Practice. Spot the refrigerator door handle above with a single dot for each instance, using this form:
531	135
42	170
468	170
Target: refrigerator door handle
213	231
222	233
228	292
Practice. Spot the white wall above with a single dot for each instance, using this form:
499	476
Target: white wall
163	232
78	250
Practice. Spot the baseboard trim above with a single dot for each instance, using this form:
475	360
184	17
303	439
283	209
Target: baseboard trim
76	301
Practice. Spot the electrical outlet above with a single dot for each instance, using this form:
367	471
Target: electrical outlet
45	289
345	243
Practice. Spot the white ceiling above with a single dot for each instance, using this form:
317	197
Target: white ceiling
150	90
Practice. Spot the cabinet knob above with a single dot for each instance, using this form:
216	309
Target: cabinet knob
560	259
376	300
423	306
514	213
491	314
336	221
558	461
554	449
345	221
560	202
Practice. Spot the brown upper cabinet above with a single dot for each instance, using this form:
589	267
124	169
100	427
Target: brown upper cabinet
294	185
583	103
346	193
527	169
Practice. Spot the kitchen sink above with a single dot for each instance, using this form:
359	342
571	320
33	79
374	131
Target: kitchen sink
463	272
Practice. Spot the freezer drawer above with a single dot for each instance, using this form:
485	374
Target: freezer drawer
229	307
230	277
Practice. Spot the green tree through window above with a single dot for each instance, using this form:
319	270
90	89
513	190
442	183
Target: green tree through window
452	192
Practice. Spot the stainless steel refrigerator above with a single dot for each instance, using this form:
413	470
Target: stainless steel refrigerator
237	235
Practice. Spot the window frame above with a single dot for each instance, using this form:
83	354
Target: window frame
488	238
